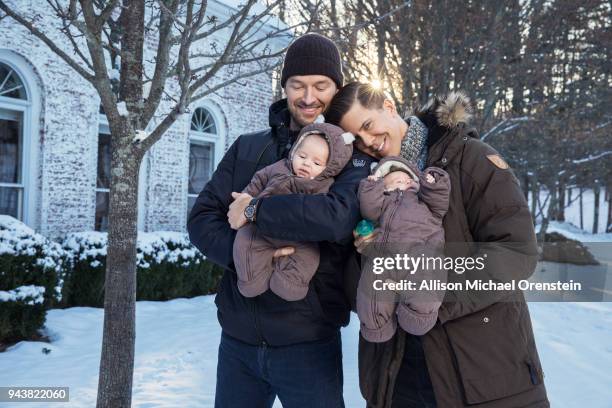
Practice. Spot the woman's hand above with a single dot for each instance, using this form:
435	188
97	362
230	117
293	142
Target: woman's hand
361	242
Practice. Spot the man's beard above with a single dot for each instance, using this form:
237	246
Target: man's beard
300	120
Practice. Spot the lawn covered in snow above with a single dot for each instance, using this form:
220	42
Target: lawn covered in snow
177	342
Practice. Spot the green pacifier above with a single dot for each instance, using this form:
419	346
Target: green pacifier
364	228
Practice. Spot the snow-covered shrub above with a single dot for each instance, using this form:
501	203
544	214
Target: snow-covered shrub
168	266
22	313
32	270
84	284
28	258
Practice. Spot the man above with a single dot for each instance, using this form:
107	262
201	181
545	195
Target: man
271	347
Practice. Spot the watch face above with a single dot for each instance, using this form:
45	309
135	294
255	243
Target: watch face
249	212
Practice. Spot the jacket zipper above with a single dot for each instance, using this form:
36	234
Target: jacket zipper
384	241
253	301
256	320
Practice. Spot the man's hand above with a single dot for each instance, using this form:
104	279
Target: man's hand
235	215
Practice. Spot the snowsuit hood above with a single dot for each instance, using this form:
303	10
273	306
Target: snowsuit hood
394	163
340	145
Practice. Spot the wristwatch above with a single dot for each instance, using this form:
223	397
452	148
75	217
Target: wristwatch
251	210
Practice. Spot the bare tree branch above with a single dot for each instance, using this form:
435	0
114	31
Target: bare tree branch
48	42
162	61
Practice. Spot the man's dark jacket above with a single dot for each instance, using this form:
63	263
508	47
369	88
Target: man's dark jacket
325	218
481	352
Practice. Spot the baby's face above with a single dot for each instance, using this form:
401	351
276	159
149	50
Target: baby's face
397	180
310	157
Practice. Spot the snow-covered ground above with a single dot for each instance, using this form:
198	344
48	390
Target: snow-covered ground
572	211
571	231
177	342
176	350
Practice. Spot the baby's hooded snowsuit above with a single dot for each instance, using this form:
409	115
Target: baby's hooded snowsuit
287	276
411	220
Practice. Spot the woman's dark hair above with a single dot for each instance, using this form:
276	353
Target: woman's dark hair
368	97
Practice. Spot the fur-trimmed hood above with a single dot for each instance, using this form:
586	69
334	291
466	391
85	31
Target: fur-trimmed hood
441	114
450	110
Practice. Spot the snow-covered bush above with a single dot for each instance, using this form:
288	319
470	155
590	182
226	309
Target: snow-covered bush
84	283
168	266
22	313
28	258
32	270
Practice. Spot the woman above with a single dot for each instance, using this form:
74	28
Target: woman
481	350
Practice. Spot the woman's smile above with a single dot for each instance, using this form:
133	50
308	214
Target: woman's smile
379	149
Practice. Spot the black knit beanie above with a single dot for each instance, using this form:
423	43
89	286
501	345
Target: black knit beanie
313	54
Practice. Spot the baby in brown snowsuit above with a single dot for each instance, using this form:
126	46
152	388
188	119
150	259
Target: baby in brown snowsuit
319	154
408	207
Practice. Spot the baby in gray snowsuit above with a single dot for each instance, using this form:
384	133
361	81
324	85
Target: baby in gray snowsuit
408	207
319	154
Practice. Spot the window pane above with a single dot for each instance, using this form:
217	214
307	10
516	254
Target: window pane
10	201
10	83
201	163
10	151
102	211
104	161
202	121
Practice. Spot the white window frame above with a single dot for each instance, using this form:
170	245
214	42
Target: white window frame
195	137
30	113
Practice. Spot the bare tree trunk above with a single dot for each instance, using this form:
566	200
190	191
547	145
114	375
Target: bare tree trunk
118	341
547	216
119	336
609	200
581	206
560	216
535	191
596	194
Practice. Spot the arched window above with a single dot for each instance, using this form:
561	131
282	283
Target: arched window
203	122
205	150
14	146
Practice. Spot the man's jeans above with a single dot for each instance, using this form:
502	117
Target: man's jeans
302	375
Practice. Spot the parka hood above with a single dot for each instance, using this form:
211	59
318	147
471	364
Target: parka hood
441	114
278	114
450	110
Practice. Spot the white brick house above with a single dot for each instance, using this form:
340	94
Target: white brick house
54	150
